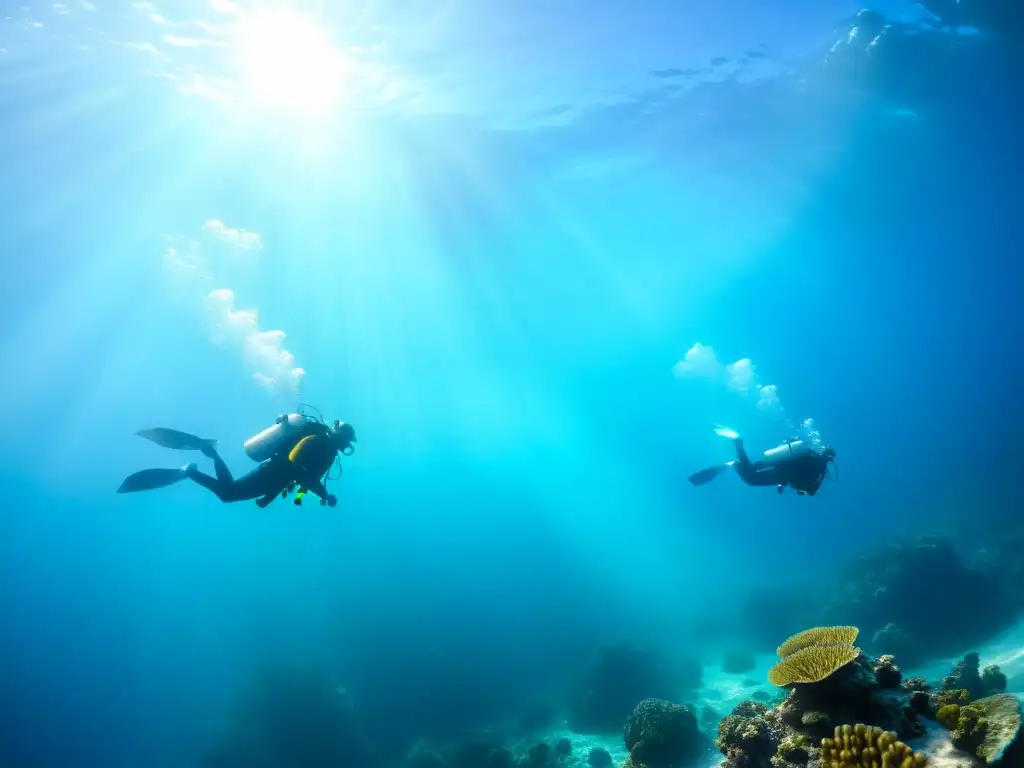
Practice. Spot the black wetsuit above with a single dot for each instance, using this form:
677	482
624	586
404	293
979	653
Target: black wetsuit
802	473
267	481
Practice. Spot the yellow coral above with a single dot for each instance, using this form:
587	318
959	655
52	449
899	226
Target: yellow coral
812	664
817	636
864	746
948	716
959	696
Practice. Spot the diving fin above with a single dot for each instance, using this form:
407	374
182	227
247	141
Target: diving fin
721	431
705	476
148	479
180	441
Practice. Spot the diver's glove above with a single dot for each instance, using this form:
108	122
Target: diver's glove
332	500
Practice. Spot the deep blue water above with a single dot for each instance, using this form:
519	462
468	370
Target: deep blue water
487	255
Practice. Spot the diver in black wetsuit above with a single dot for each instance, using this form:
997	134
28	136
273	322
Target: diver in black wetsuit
301	460
804	473
801	468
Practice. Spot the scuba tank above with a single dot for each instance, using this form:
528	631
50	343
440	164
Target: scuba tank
285	429
790	449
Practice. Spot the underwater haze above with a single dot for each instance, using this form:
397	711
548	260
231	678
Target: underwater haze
533	253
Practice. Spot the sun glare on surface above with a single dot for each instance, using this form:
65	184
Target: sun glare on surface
288	63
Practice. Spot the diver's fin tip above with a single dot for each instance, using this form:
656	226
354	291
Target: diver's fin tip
176	439
705	476
149	479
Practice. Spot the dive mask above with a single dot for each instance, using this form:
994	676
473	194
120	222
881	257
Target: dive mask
345	435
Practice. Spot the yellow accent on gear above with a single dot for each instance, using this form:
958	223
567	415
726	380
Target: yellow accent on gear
298	448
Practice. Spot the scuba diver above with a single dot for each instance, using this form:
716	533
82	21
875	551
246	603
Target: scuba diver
795	463
296	452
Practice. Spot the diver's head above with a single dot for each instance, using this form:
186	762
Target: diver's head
344	436
829	453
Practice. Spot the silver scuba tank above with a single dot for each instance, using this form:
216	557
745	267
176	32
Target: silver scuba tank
268	442
785	452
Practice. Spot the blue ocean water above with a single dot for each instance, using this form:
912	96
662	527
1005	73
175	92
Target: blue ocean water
532	252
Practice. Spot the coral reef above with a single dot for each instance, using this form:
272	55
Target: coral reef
750	736
988	728
887	673
861	745
915	684
982	720
813	655
844	688
619	677
793	750
599	758
966	676
942	605
660	734
852	694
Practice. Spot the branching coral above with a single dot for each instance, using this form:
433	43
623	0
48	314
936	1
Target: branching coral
812	664
864	746
817	636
